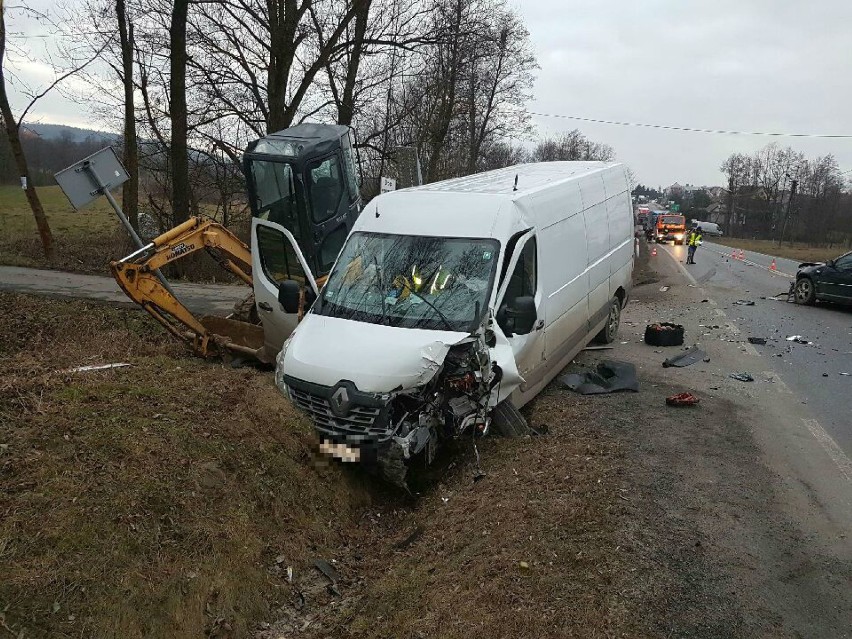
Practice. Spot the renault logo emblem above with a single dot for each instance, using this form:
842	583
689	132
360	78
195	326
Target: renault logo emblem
340	401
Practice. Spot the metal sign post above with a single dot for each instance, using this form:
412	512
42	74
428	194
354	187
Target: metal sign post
91	177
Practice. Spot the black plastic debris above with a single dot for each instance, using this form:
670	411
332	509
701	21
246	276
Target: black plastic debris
798	339
760	341
687	358
325	568
609	377
743	377
744	303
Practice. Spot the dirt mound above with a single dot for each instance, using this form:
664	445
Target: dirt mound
167	498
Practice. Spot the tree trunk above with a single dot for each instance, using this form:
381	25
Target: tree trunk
346	108
12	130
177	113
130	189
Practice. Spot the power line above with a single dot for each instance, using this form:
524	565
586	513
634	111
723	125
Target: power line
693	130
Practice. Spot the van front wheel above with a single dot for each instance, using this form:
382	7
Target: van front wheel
507	421
610	330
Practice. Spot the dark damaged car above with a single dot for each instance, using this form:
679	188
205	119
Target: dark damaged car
829	281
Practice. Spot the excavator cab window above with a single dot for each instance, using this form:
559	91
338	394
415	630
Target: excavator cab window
326	187
275	191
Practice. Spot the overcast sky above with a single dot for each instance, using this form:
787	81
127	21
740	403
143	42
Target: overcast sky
746	65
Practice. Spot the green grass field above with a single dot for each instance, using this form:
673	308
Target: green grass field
16	218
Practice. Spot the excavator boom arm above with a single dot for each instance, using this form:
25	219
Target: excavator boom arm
136	274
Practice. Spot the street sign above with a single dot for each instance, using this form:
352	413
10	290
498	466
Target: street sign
85	181
388	184
675	208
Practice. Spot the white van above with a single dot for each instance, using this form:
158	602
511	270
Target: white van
453	304
708	228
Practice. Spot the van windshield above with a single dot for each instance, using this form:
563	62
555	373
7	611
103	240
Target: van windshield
674	219
409	281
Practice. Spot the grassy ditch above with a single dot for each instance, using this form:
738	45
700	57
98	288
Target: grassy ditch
162	499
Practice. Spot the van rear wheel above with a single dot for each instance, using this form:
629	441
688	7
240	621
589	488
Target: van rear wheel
507	421
610	330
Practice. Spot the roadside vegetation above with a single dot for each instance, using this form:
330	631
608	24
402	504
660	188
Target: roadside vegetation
163	499
793	251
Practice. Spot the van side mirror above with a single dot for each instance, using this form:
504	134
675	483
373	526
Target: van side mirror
524	314
288	296
517	316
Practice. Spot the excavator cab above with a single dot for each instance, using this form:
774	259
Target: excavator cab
304	197
304	180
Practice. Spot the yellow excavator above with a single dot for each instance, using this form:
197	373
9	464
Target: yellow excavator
304	197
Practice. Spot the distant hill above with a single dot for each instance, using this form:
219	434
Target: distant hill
56	131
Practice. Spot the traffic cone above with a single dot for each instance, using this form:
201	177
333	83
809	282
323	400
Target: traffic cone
733	254
654	252
742	254
772	266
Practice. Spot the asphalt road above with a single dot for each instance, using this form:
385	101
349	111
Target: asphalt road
215	299
814	372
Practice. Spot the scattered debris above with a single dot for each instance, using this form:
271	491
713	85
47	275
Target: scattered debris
846	374
609	377
524	565
798	339
683	399
704	301
98	367
600	348
760	341
744	303
325	568
743	377
825	374
663	289
664	334
687	358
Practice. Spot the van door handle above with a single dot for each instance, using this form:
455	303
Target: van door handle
539	325
265	306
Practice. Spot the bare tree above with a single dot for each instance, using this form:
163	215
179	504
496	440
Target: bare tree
130	189
13	125
179	154
572	145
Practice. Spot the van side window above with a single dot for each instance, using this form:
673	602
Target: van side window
524	279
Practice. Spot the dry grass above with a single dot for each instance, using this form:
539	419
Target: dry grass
151	500
799	252
531	550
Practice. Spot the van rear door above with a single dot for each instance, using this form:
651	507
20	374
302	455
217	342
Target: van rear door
276	257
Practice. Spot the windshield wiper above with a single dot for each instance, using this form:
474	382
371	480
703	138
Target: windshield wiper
434	308
381	289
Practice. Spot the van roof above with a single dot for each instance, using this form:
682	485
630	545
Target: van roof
480	205
531	177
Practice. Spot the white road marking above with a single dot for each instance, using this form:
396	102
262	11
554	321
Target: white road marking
843	463
719	312
751	350
779	383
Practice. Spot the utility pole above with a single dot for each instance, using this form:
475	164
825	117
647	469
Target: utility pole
793	185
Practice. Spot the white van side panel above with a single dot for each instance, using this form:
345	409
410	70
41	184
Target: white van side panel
565	281
597	234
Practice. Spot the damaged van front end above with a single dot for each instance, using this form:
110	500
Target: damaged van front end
395	358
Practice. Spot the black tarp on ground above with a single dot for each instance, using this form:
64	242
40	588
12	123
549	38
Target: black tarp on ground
609	377
686	358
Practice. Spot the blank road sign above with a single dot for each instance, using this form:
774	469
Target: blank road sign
83	181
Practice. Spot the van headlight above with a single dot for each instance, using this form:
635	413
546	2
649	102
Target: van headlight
678	236
279	365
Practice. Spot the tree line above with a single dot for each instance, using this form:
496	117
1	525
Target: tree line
777	193
190	83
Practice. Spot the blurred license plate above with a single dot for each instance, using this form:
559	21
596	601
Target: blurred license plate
340	451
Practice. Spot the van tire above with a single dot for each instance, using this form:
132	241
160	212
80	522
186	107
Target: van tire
507	421
610	330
